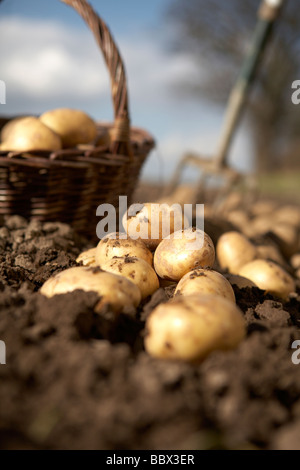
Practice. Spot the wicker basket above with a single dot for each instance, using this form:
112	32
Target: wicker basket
68	185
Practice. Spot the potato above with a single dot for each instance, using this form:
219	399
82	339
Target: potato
287	233
270	252
114	245
234	250
264	208
288	238
88	257
115	291
269	276
190	327
205	281
238	218
295	260
136	270
183	251
27	134
261	225
230	202
288	214
239	281
72	125
182	194
154	222
8	128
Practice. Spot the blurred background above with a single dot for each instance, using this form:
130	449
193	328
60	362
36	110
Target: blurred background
182	59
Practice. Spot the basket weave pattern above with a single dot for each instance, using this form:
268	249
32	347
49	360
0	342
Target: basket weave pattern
68	185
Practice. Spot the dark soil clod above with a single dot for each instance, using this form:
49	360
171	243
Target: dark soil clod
80	380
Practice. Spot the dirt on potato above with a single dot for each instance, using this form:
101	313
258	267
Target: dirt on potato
77	380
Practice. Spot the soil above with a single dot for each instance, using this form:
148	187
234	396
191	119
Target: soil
74	379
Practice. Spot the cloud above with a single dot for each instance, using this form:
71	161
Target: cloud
44	59
41	59
152	70
47	64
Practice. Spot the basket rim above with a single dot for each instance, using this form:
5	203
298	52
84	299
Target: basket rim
99	123
142	142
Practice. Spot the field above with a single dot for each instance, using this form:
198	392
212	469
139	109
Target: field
80	380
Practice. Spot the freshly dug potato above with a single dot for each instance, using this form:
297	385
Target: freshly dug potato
216	226
264	208
29	133
190	327
288	238
288	214
239	218
234	250
269	276
183	251
239	281
295	260
115	245
117	291
154	222
72	125
182	194
230	202
88	257
205	281
286	232
136	270
261	225
270	252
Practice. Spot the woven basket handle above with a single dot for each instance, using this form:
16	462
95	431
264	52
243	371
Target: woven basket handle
121	131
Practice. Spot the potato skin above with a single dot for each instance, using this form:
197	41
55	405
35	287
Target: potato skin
117	291
270	252
174	257
8	128
136	270
27	134
188	328
72	125
288	214
239	281
88	258
234	250
205	281
288	238
295	260
114	245
143	222
270	277
238	218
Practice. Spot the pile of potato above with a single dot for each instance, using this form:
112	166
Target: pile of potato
280	222
54	130
241	257
202	316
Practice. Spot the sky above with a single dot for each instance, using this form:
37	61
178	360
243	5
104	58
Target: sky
49	59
